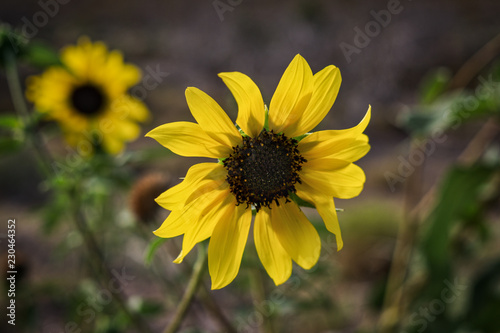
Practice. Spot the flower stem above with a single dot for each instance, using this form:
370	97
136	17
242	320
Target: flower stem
203	295
394	307
21	109
259	296
45	163
16	91
190	292
101	270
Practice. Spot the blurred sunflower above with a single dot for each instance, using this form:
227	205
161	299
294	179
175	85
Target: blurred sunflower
267	162
88	97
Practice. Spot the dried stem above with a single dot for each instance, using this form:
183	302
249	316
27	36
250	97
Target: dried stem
395	304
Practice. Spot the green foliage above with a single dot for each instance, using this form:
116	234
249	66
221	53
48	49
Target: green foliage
460	195
41	55
153	246
11	134
433	85
34	53
454	274
484	304
9	122
11	42
440	110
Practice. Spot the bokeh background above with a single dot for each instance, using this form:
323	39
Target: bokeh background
193	41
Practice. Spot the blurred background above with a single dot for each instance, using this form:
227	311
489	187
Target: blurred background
399	57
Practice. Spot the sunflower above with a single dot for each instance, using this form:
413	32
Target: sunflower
266	163
88	97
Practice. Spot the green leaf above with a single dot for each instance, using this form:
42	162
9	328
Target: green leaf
54	212
11	42
152	248
422	120
9	145
439	111
150	307
484	303
459	194
41	55
9	121
434	84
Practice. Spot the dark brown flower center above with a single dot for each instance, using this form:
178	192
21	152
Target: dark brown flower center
264	169
87	99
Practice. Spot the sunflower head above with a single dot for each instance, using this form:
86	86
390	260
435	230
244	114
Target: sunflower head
143	193
263	169
269	162
88	97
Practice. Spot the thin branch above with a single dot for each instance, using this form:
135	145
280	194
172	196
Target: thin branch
102	271
190	292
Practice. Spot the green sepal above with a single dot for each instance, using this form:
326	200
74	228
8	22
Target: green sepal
266	119
152	248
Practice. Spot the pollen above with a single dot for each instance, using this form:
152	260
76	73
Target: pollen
264	169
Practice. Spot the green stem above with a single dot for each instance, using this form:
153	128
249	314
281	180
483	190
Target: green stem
190	292
45	161
101	270
21	108
15	88
259	296
203	295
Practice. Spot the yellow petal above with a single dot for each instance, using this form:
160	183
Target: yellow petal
349	149
275	259
112	144
174	225
296	234
227	245
319	144
344	183
326	209
212	119
325	164
82	57
326	88
128	107
208	185
188	139
251	112
363	138
193	184
351	152
125	130
291	96
178	221
125	74
201	227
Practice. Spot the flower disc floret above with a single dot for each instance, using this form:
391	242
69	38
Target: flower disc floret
88	99
264	169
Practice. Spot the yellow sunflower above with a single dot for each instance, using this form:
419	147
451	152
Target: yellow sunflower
265	162
88	97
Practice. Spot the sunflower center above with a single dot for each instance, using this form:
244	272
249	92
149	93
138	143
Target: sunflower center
264	169
87	99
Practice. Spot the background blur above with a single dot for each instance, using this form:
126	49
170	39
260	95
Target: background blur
195	40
